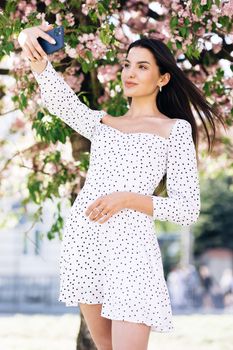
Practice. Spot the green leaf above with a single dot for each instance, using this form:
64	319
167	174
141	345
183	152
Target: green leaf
85	66
40	115
101	9
89	55
178	45
86	101
183	31
23	100
173	22
10	7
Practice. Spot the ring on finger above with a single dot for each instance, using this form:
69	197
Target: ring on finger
99	212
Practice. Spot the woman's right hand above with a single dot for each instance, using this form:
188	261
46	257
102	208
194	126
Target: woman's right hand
28	41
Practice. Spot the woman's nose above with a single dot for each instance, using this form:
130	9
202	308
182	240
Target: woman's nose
131	74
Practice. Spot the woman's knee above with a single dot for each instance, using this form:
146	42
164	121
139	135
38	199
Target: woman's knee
98	326
130	335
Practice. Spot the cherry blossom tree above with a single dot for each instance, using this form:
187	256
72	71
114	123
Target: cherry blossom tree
97	33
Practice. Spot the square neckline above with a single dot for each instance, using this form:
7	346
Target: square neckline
166	139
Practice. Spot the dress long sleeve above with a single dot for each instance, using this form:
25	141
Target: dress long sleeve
182	206
61	100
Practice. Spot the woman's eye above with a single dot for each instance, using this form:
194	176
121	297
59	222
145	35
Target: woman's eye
126	65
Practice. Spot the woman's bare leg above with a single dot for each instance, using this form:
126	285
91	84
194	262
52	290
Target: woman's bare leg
129	335
98	326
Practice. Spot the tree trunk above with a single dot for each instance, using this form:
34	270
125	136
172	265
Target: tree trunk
81	144
84	340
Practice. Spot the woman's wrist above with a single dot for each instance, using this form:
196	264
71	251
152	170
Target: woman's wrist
129	198
39	66
139	202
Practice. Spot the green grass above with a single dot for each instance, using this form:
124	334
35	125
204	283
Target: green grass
40	332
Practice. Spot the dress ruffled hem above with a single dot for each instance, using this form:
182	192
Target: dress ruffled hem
111	316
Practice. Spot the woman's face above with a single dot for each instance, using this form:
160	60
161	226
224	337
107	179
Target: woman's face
140	67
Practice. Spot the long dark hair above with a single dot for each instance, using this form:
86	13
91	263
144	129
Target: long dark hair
179	95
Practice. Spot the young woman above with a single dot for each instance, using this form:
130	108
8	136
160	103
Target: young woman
110	262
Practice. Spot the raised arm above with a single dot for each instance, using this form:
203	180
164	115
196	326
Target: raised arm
56	94
182	206
61	100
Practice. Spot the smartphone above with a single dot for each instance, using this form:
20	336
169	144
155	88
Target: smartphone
58	35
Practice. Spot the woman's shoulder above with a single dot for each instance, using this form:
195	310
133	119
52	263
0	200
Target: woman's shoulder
180	132
184	125
184	122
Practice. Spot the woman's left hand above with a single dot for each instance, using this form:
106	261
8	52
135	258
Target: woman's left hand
106	206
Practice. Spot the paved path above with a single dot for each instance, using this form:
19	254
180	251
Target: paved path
44	332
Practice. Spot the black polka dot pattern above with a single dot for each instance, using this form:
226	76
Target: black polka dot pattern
61	101
183	203
118	264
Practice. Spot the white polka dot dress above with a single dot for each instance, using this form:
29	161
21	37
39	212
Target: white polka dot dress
118	263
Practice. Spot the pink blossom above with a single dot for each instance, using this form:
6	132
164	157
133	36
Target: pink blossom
102	99
120	56
217	47
98	48
47	2
58	56
74	81
119	35
201	31
22	5
24	9
90	4
186	13
176	6
134	2
80	50
167	3
70	51
229	82
41	15
227	8
181	21
141	6
58	19
18	124
93	43
108	72
195	17
70	19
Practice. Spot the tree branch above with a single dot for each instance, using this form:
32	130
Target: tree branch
34	148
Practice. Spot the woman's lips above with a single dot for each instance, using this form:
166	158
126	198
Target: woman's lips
130	85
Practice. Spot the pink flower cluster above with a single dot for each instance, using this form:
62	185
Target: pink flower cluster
93	43
88	42
108	72
73	80
89	5
120	35
227	8
47	2
69	17
24	9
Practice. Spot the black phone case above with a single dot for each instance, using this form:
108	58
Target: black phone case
58	35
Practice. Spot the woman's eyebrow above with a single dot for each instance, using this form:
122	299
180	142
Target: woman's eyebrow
125	60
